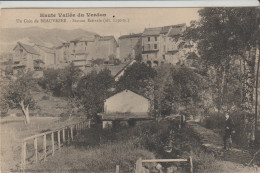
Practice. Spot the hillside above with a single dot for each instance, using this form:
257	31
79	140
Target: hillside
42	36
46	105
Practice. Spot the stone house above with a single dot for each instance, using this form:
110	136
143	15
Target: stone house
47	55
165	45
26	58
128	45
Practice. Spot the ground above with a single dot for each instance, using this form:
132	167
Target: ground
13	130
235	160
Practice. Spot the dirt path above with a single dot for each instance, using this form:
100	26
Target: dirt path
213	143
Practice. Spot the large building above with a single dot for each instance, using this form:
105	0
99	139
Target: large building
165	45
26	58
128	46
82	51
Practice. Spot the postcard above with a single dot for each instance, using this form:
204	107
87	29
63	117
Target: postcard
130	90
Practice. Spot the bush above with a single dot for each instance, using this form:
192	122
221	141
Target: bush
45	98
240	138
103	158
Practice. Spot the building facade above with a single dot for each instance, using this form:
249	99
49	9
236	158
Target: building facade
128	46
26	58
165	45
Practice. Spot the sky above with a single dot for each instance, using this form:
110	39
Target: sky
136	19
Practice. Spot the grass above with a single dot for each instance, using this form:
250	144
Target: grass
99	159
13	130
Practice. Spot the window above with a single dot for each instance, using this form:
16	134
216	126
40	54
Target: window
155	46
74	51
163	56
21	50
148	38
149	47
143	48
155	38
164	48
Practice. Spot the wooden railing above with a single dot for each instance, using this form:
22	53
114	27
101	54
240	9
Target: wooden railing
138	167
69	131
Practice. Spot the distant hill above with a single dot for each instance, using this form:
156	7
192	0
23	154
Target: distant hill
43	36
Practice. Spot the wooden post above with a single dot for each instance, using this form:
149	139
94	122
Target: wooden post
138	166
52	142
68	135
71	133
117	168
36	150
23	155
44	147
63	136
58	139
191	165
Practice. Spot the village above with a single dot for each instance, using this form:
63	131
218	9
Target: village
147	102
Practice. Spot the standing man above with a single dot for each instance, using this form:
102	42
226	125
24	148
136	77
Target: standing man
229	127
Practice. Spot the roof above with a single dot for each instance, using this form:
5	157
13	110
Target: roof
121	72
152	31
107	38
130	36
176	30
128	91
28	48
84	38
46	49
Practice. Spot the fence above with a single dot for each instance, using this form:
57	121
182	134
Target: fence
69	131
138	168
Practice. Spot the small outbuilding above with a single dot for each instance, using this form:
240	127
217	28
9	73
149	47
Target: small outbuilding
125	106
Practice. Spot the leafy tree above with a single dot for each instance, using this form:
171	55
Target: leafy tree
17	94
136	78
61	82
93	89
226	36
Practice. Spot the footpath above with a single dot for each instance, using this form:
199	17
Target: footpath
213	143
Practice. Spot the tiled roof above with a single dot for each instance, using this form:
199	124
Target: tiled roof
175	32
106	38
28	48
152	31
84	38
130	36
46	49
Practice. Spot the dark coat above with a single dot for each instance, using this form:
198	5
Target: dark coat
229	126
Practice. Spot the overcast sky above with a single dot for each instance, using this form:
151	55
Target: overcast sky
139	18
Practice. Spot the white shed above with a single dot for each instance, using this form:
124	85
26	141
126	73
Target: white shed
126	101
124	106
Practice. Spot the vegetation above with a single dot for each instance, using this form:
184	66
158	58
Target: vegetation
17	94
227	41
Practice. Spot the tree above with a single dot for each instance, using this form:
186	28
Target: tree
225	36
61	82
93	89
136	78
17	94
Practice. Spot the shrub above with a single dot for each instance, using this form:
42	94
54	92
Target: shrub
215	121
97	159
45	98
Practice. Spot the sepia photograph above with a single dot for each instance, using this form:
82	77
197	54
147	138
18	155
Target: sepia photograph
130	90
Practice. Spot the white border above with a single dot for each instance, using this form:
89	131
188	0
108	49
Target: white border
82	4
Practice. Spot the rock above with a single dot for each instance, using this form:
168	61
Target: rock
172	169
